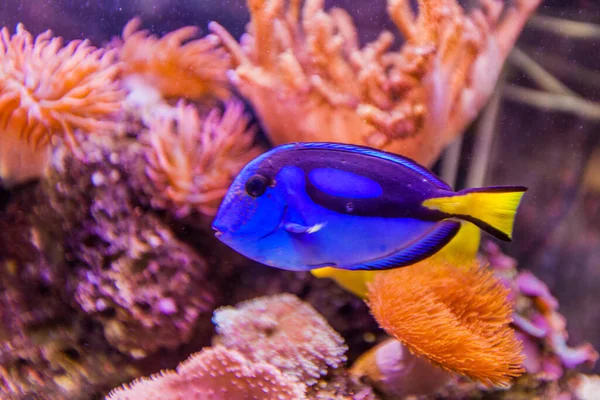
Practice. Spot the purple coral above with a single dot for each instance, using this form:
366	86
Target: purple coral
542	329
129	271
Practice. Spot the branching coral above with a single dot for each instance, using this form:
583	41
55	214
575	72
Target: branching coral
214	374
47	90
456	317
307	78
175	65
192	160
283	331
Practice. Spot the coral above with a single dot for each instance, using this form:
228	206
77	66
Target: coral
47	90
456	317
47	348
193	160
271	347
394	370
302	64
284	332
174	65
541	327
128	270
214	374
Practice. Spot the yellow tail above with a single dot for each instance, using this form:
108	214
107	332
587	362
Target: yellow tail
492	209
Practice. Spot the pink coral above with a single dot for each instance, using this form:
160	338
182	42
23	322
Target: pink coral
192	160
542	328
300	63
214	374
283	331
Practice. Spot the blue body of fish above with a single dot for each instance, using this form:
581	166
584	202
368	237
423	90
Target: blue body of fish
302	206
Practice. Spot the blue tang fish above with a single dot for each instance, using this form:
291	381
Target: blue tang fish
303	206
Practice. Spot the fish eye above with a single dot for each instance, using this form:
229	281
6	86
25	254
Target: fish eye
256	185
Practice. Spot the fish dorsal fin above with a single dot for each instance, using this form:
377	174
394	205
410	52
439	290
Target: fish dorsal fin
438	237
395	158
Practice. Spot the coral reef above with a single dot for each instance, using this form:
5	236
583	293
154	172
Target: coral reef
272	347
300	63
192	160
146	287
456	317
48	90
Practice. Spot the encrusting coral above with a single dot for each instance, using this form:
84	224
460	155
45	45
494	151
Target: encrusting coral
127	269
48	349
48	90
273	347
303	64
458	318
193	160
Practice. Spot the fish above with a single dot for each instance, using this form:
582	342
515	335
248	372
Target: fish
305	206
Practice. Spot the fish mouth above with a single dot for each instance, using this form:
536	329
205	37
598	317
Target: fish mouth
283	215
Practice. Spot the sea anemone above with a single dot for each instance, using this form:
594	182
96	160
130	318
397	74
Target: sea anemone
48	90
192	160
300	63
458	318
175	65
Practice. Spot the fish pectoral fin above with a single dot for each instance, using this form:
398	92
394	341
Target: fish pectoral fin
293	227
429	244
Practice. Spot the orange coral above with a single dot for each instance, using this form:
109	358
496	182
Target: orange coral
304	73
284	332
47	90
175	65
193	160
214	374
458	318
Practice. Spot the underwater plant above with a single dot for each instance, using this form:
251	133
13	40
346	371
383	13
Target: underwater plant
192	160
298	62
49	90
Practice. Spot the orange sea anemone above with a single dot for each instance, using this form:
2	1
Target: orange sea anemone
457	318
47	90
193	160
175	65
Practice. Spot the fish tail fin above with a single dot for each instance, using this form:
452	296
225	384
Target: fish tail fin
493	209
